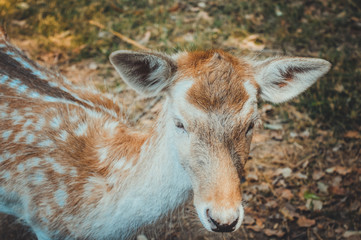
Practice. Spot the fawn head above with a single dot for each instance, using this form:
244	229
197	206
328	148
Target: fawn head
211	110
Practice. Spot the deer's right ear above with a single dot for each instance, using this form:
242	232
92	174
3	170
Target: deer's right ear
146	72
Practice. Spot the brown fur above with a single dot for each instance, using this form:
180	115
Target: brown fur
219	79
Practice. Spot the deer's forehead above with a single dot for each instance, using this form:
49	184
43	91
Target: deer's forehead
218	80
215	82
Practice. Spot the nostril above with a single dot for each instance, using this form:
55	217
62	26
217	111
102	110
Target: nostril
234	223
224	227
208	217
214	222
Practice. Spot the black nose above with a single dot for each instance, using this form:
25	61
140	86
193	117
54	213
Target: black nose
223	227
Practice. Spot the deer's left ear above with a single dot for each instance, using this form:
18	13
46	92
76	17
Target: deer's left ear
284	78
146	72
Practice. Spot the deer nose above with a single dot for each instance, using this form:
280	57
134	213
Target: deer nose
221	227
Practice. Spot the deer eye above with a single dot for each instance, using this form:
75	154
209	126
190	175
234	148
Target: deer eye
179	125
249	129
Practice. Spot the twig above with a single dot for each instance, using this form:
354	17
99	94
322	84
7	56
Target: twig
305	160
119	35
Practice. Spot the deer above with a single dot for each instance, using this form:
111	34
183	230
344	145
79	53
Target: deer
72	167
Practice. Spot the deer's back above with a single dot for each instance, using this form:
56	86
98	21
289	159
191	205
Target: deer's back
48	130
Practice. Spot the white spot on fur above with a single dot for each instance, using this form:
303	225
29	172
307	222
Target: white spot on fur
39	125
28	66
3	114
19	136
73	172
22	88
34	95
56	166
33	162
46	143
81	130
63	135
21	167
110	126
38	177
61	197
94	114
74	117
55	122
50	99
3	79
27	123
119	164
6	175
16	117
6	134
49	211
30	138
53	84
6	156
103	154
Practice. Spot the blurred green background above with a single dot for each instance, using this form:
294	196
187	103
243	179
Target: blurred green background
319	28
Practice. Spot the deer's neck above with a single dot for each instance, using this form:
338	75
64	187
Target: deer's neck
146	174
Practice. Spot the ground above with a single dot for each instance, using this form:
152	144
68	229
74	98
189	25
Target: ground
304	178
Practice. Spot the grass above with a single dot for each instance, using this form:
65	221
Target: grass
326	29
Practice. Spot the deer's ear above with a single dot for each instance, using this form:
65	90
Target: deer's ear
284	78
147	73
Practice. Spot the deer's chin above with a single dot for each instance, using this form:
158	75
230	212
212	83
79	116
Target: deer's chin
209	225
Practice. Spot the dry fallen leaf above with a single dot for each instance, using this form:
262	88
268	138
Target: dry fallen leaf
251	176
337	190
336	181
260	222
342	170
174	8
339	169
349	234
289	212
255	228
271	204
284	193
285	172
301	192
300	176
317	175
322	187
305	222
270	232
263	187
248	220
352	134
204	16
315	205
145	39
253	42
